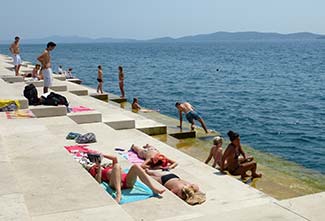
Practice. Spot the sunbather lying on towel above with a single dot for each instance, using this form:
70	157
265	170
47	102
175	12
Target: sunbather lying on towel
183	189
153	158
115	177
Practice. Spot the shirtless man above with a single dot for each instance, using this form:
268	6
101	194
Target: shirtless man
100	79
190	114
14	49
45	60
121	80
232	162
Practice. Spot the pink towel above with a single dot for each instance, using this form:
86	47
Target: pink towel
133	158
78	150
80	109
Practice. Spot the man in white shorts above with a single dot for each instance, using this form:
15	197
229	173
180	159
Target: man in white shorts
45	60
14	49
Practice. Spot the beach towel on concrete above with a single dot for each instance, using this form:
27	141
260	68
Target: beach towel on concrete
139	192
80	109
78	150
19	114
131	156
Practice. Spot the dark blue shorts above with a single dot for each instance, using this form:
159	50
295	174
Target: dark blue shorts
191	116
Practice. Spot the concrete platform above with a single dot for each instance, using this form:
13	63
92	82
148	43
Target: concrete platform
39	180
12	79
10	91
48	111
74	80
59	77
102	97
150	127
310	207
111	115
86	117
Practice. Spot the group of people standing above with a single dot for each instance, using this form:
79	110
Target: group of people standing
44	71
45	60
100	80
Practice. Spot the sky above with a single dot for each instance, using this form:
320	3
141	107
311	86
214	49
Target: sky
146	19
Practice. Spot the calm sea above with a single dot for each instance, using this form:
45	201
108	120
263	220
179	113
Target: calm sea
271	92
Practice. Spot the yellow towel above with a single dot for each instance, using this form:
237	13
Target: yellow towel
5	102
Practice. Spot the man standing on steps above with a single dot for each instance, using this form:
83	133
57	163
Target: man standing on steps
190	114
14	49
45	60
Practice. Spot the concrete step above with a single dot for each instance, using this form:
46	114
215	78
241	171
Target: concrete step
311	206
48	111
86	117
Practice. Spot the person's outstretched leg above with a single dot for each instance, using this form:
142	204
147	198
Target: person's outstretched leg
115	181
136	171
155	175
203	125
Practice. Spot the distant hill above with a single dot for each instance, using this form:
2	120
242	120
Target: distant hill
214	37
242	36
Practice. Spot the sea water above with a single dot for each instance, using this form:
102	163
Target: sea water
271	92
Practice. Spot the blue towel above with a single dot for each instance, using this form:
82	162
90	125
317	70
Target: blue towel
139	192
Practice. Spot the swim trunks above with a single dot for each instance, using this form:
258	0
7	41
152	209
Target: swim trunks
167	177
191	116
99	80
17	59
47	75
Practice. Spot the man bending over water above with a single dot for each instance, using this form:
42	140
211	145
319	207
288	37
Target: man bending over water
190	114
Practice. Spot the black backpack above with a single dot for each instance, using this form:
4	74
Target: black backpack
55	99
30	92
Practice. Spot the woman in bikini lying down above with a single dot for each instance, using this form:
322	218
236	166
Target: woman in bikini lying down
153	158
115	177
183	189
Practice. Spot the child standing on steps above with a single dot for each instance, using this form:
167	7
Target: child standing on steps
215	152
100	80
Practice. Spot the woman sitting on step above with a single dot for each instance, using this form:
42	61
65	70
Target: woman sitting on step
232	161
153	158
